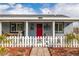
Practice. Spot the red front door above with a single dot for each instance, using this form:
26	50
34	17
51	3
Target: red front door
39	30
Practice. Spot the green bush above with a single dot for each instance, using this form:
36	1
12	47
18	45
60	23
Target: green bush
70	37
2	38
3	51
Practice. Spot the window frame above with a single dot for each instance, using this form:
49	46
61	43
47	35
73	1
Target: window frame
16	29
58	25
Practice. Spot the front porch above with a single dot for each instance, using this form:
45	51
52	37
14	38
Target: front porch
37	34
27	28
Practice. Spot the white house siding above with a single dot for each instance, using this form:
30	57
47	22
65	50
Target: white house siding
5	27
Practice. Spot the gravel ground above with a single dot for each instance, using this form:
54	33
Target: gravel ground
64	51
18	51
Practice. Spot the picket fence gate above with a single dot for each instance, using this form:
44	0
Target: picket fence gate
40	41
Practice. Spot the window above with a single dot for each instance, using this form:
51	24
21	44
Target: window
31	26
15	27
59	27
46	27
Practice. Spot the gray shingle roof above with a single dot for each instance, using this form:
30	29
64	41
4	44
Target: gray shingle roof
46	15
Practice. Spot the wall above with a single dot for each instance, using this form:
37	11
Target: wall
5	27
68	28
32	31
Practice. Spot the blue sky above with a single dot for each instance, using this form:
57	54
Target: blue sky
37	6
68	9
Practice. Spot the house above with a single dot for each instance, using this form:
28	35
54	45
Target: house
37	25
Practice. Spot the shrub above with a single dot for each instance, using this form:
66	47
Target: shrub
70	37
2	38
3	51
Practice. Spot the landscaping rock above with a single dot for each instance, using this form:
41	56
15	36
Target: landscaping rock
64	51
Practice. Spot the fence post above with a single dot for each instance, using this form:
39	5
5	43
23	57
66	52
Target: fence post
6	42
15	43
61	41
48	41
33	41
43	41
10	42
22	41
2	44
56	41
28	41
25	41
66	41
75	43
36	41
53	41
17	37
71	43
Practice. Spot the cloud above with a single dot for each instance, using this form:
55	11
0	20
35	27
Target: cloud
71	10
15	9
19	9
4	6
46	11
12	5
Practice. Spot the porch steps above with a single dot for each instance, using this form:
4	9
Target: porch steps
40	52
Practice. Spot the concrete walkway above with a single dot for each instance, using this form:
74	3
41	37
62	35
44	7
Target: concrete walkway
40	52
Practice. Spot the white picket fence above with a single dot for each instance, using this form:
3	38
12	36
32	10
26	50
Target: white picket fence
34	41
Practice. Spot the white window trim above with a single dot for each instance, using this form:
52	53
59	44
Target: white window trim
58	28
16	27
